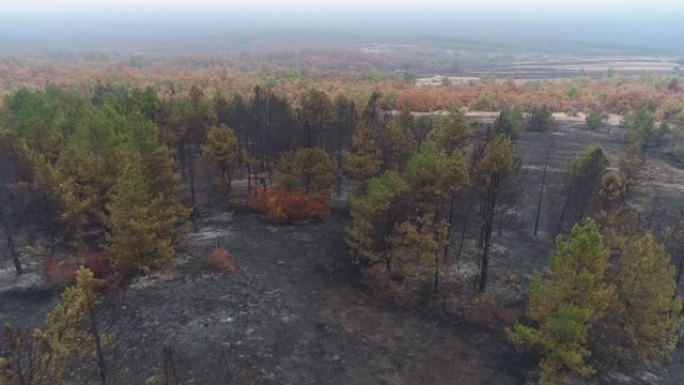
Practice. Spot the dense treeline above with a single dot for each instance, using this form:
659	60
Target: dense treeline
116	173
97	165
113	177
342	75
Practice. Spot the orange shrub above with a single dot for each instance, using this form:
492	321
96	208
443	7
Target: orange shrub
60	273
282	205
220	259
98	263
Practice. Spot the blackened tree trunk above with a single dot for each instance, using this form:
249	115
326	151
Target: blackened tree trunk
340	171
229	180
464	232
101	363
541	190
170	367
182	161
50	223
445	254
249	178
11	247
559	226
488	222
193	201
680	272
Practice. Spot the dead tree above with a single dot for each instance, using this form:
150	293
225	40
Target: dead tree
99	350
8	225
581	185
547	154
170	367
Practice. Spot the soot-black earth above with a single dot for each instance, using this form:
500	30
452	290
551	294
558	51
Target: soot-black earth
297	311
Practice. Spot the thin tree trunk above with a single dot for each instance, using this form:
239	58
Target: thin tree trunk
170	366
500	222
193	215
582	209
249	178
262	141
680	272
485	264
464	232
307	182
229	179
448	242
489	220
11	247
541	191
181	157
562	217
101	363
340	172
239	151
50	222
480	238
651	214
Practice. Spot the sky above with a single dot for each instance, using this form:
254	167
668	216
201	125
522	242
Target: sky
644	23
306	6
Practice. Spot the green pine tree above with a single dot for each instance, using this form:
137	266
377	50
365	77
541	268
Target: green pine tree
566	305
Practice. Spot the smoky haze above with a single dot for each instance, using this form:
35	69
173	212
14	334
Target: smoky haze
655	30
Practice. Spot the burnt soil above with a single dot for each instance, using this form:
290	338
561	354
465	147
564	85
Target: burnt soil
297	311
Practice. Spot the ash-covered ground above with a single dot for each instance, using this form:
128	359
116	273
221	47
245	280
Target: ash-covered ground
297	311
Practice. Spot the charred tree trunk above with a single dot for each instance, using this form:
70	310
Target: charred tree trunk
182	160
340	172
193	201
239	150
541	190
256	178
464	232
249	178
101	363
499	224
50	223
490	208
559	225
583	208
680	272
170	367
229	179
483	213
11	247
445	253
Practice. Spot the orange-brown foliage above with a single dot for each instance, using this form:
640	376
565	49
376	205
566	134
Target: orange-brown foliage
221	260
98	263
330	73
60	273
281	205
381	284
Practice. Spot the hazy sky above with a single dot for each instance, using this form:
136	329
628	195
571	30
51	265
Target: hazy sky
644	23
332	5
